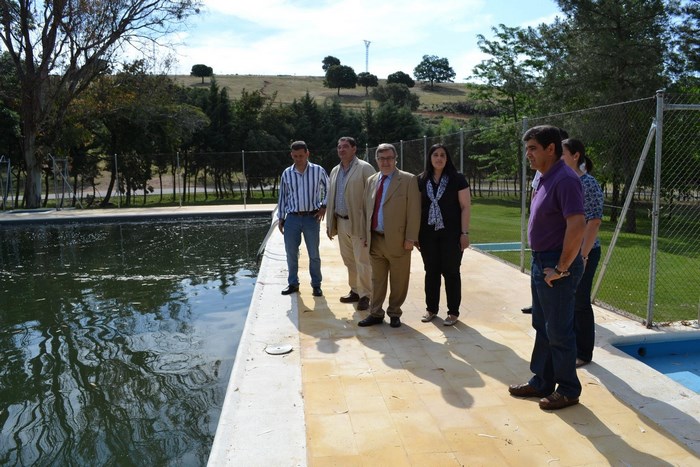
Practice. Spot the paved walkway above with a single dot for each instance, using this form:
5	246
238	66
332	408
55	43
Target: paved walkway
425	394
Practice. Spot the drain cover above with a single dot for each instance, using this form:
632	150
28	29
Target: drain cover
278	349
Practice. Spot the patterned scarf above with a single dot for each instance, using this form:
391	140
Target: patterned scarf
434	214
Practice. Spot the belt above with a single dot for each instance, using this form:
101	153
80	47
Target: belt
304	213
381	234
342	217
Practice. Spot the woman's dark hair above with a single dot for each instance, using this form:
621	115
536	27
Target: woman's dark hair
576	146
450	168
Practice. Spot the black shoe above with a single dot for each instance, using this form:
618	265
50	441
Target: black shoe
394	321
370	321
290	289
317	292
527	310
363	304
352	297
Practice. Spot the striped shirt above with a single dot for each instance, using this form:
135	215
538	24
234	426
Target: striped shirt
302	191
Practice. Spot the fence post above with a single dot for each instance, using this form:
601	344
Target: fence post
658	150
425	150
366	152
245	188
523	202
461	150
401	154
177	178
116	178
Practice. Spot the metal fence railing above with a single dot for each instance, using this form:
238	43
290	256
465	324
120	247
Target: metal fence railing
650	155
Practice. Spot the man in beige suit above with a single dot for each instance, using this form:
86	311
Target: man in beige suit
392	221
344	218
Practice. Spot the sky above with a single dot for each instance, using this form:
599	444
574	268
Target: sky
292	37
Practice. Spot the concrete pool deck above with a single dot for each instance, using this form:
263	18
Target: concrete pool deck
425	394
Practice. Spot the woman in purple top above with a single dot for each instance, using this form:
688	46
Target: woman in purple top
574	154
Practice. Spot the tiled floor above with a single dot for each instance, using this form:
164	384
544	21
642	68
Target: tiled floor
425	394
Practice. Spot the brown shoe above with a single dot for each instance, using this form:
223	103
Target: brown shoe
352	297
556	401
363	304
523	390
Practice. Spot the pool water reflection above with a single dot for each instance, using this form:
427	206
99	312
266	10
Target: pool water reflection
117	340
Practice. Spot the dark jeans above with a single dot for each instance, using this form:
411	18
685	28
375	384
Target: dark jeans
442	257
583	311
553	359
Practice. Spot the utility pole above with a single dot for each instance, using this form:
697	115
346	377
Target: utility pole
367	43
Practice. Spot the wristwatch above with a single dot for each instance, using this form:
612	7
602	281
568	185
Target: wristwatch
566	273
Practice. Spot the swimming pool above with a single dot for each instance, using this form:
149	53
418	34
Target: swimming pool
677	359
117	339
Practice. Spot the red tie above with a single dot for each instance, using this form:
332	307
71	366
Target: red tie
377	202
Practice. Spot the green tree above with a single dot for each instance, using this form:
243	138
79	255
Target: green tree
400	78
397	93
434	70
329	61
340	76
367	80
202	71
509	80
393	123
59	47
686	32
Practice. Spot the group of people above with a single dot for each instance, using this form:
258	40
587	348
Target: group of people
379	217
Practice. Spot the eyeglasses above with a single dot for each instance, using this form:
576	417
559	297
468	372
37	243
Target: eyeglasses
385	159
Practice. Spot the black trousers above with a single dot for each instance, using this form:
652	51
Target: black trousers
442	257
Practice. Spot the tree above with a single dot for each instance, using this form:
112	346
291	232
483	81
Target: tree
399	94
340	76
434	70
508	76
367	80
329	61
59	47
400	78
201	71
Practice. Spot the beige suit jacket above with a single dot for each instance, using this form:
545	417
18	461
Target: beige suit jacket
354	192
402	210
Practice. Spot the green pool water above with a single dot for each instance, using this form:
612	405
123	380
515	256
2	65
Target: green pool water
117	340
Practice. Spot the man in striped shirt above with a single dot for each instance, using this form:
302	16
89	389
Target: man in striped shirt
301	208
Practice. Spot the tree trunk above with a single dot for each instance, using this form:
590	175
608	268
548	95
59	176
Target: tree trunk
32	187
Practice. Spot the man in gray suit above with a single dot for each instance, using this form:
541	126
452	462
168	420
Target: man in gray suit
392	221
344	218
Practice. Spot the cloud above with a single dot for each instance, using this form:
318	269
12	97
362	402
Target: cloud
293	36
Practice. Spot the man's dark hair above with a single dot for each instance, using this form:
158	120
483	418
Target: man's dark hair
299	145
545	135
348	139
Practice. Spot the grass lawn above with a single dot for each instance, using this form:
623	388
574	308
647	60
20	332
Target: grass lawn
625	284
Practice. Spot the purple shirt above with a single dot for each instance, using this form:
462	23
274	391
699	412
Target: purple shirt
558	196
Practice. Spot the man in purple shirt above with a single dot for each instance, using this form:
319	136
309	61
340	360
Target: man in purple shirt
555	232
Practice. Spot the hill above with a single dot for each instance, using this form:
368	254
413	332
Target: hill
432	101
